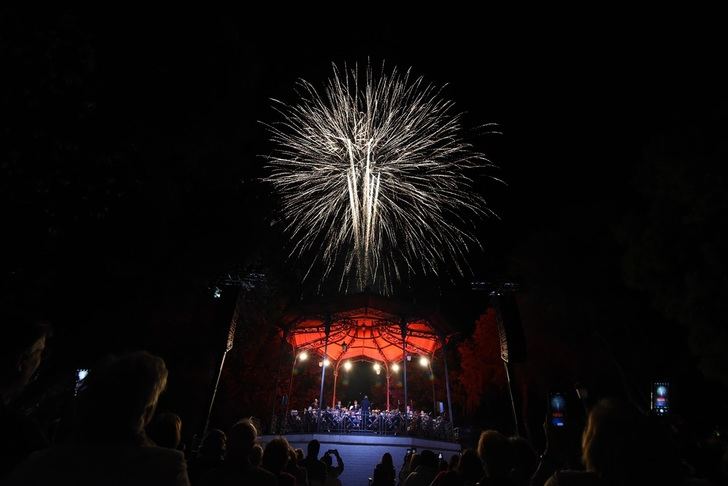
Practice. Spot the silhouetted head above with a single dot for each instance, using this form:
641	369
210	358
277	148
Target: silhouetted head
608	439
415	461
241	440
454	461
292	459
387	460
256	455
624	447
314	447
525	460
22	343
495	452
213	445
275	456
119	397
166	430
470	466
428	459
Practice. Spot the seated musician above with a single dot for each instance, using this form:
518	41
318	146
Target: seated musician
355	407
315	404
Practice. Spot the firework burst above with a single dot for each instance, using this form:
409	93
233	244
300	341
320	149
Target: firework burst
373	178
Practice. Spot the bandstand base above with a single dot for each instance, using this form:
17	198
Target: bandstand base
362	452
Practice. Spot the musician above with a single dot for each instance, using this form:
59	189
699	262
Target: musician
365	406
355	407
338	405
315	404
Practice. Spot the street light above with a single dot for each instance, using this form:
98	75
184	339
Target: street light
395	367
425	363
302	356
347	365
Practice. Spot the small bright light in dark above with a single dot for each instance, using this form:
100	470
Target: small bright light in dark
424	361
303	356
81	374
347	365
395	367
216	293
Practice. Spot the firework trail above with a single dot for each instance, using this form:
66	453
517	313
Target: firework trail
373	179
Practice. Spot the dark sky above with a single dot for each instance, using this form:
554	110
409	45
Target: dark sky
131	145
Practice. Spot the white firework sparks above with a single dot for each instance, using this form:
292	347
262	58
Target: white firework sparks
373	179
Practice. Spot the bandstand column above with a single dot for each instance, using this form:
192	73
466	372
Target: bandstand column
403	329
327	330
388	391
336	376
447	381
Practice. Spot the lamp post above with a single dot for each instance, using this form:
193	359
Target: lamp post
447	381
403	330
424	361
344	347
394	368
387	374
336	376
327	330
302	356
227	298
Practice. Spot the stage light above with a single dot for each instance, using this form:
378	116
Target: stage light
424	361
377	367
326	362
303	356
395	367
347	365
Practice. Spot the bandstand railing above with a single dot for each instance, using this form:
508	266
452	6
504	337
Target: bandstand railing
376	422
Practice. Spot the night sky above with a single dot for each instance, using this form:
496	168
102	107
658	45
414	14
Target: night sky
131	159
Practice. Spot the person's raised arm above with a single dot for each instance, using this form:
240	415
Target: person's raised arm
339	464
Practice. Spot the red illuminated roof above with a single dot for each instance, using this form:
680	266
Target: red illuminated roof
364	327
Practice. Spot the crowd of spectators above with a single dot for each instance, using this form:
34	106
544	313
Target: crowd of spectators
116	437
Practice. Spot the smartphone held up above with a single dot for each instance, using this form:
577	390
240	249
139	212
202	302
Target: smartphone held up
557	409
660	398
